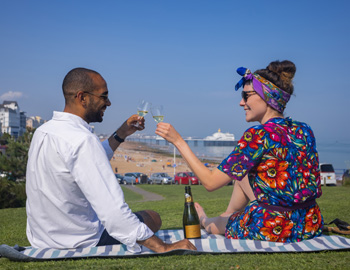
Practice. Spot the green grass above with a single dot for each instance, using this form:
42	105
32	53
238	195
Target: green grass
334	204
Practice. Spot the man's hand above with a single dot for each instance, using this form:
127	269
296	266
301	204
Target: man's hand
182	244
157	245
130	126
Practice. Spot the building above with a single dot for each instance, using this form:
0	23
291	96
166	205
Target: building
13	121
34	122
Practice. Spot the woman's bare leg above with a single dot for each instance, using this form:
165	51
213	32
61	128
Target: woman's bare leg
246	188
241	195
215	225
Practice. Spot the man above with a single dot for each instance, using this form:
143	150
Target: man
73	198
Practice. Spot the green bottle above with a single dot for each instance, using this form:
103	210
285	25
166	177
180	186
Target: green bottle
191	225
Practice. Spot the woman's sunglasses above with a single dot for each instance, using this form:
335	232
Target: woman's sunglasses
246	94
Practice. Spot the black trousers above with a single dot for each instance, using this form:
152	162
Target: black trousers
107	240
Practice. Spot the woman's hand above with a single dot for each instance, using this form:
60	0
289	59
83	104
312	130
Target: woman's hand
168	132
211	180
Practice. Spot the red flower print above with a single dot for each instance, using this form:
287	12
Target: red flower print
242	224
306	169
313	220
277	229
301	157
305	173
273	172
242	144
277	134
251	139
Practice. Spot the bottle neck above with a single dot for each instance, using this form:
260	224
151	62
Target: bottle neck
188	195
188	198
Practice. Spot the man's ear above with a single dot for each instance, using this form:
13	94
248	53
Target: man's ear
81	98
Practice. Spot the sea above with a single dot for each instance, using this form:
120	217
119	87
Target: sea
335	153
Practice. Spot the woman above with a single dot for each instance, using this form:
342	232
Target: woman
275	165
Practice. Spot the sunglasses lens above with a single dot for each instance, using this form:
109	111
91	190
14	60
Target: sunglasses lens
244	96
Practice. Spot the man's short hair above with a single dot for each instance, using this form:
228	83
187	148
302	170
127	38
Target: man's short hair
78	79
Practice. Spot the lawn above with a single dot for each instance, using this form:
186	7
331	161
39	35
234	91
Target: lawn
334	204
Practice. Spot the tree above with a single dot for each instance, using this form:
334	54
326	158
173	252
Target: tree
14	161
12	194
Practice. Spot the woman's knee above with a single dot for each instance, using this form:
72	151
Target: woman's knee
246	188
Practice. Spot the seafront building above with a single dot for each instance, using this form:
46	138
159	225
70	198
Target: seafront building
12	119
34	122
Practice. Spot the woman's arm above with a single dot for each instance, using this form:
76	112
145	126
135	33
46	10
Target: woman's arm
211	180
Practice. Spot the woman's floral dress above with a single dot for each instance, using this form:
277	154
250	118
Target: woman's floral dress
281	160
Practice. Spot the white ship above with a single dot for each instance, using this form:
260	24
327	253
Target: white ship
220	139
217	139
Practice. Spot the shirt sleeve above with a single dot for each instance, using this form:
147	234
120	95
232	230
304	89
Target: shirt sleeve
246	155
108	149
92	172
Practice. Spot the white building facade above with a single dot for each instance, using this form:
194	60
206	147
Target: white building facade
13	121
34	122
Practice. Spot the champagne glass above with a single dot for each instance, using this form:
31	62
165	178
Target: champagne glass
142	109
157	113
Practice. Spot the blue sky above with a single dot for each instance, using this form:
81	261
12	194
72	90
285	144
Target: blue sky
181	54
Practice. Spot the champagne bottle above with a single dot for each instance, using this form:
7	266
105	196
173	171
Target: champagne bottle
191	225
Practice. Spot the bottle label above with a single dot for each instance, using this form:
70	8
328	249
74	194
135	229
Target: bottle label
193	231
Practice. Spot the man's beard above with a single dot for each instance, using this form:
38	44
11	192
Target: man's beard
92	114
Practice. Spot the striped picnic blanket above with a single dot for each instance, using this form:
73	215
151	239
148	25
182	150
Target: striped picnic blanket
208	244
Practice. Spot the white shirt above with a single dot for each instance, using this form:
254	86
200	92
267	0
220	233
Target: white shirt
72	192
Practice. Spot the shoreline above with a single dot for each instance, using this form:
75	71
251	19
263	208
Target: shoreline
139	157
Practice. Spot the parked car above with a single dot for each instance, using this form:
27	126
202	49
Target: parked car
119	178
130	179
160	178
135	178
346	178
143	178
327	174
186	178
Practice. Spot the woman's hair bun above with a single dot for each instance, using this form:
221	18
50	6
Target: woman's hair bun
285	69
281	73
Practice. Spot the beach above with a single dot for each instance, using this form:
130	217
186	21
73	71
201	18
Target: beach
138	157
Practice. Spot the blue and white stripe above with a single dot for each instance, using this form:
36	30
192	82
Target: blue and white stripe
213	244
